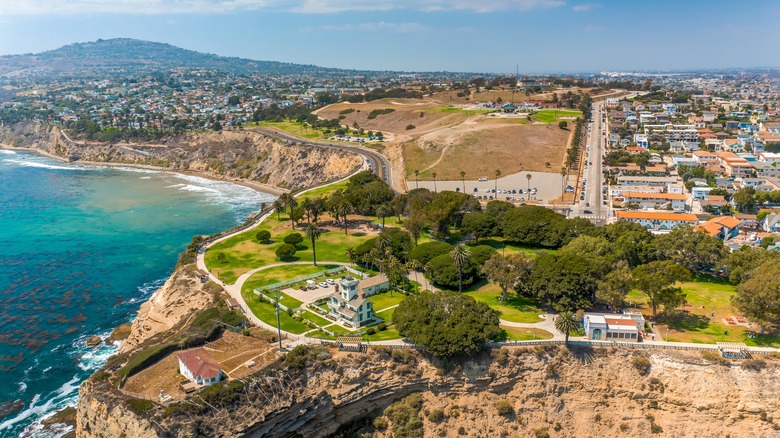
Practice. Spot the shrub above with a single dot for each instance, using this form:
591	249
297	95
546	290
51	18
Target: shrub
436	415
445	273
381	327
461	430
642	365
378	112
263	236
347	111
380	423
714	357
409	127
504	407
654	428
425	252
293	239
140	407
541	433
371	331
753	365
285	252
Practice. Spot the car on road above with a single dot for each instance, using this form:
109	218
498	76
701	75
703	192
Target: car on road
323	284
483	179
587	212
331	281
476	189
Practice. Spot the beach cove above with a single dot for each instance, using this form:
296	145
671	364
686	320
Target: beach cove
83	247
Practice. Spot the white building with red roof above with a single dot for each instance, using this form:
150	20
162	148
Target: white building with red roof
199	367
623	327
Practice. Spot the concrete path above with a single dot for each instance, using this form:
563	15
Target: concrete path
548	324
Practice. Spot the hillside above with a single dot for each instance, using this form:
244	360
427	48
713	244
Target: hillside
125	55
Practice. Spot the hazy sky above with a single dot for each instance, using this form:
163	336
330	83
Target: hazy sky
455	35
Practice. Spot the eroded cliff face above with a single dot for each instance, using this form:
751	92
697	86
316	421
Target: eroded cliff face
234	155
517	392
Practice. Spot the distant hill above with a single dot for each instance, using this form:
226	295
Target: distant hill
125	55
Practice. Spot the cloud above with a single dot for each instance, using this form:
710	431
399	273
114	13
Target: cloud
377	27
585	7
593	28
74	7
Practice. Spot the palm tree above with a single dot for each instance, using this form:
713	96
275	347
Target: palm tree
414	265
463	179
460	255
563	181
567	322
382	212
433	174
383	242
352	255
307	205
344	209
417	179
290	202
313	233
498	173
528	177
278	206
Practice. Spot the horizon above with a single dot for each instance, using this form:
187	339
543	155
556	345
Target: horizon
492	36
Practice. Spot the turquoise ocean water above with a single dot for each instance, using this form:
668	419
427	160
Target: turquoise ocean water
80	249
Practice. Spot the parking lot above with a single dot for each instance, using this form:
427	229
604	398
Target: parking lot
310	296
548	186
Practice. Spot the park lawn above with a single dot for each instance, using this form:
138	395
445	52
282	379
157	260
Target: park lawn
324	190
500	245
319	334
552	115
294	128
384	335
315	318
525	334
339	330
515	309
386	299
243	252
386	315
267	313
454	109
281	273
706	295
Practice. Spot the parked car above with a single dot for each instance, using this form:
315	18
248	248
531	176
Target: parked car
323	284
331	281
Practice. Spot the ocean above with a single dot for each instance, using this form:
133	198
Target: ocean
81	248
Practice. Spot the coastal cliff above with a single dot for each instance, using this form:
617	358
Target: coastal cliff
532	391
243	156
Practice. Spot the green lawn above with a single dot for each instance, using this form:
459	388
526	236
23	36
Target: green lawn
319	334
552	115
243	253
281	273
267	313
525	334
294	128
386	299
384	335
339	330
386	315
316	318
515	309
706	295
505	248
324	190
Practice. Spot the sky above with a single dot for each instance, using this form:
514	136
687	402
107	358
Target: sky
492	36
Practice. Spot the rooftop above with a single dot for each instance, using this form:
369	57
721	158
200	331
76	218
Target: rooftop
658	216
200	363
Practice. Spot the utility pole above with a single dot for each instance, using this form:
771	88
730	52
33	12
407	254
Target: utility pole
278	323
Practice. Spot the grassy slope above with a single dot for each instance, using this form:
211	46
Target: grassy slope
515	309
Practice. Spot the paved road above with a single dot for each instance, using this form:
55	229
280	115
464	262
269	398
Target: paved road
593	202
378	162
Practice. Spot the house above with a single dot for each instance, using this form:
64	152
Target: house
766	170
705	158
659	181
199	367
655	200
614	327
772	223
713	203
642	141
748	221
349	306
722	227
657	221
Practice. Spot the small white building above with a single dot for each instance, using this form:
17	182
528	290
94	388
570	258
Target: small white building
349	305
625	327
199	367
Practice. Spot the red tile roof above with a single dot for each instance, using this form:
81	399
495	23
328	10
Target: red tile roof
200	363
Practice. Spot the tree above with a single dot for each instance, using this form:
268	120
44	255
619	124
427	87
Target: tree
564	281
435	190
691	248
447	324
744	199
417	179
479	224
758	298
528	177
567	322
615	286
307	205
290	202
498	174
313	233
463	180
293	239
382	212
414	225
285	252
563	124
278	206
656	280
425	252
263	236
351	255
460	256
507	272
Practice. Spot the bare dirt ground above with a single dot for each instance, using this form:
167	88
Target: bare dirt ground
231	350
